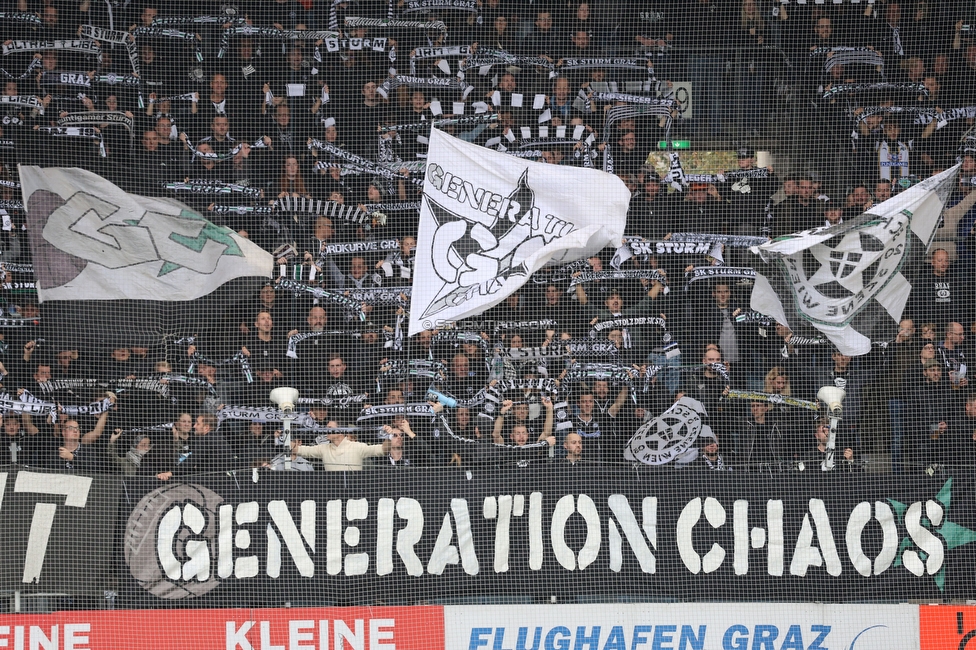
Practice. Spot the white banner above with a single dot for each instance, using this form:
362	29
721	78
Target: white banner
691	626
489	220
100	243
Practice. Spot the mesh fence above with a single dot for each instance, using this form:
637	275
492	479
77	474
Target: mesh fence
611	302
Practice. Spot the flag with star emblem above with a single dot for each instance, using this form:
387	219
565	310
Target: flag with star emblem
849	280
155	258
489	220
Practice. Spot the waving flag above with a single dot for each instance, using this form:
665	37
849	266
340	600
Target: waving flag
158	263
489	220
847	280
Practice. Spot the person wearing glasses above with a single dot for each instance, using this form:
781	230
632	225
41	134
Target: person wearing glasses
77	452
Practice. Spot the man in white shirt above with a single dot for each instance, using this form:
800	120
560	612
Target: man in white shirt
340	454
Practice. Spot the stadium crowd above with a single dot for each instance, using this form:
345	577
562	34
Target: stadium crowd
303	126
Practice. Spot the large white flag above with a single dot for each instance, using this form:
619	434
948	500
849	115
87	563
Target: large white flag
91	240
489	220
846	280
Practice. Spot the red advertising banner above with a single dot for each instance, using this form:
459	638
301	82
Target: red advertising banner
947	627
305	628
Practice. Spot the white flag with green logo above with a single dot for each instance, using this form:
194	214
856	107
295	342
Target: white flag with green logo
93	241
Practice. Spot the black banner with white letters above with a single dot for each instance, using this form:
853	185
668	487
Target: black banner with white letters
58	530
548	530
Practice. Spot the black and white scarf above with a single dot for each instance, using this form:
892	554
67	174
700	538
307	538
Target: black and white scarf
24	101
732	241
295	339
542	324
97	118
711	272
115	36
264	414
72	45
589	348
358	247
631	321
117	385
911	88
390	23
107	35
520	355
166	21
330	297
637	274
200	186
392	410
21	17
66	78
190	381
364	165
185	97
392	83
494	395
425	6
54	409
773	398
399	369
614	373
341	402
379	296
33	65
413	206
330	209
242	209
271	33
485	58
71	131
459	336
336	44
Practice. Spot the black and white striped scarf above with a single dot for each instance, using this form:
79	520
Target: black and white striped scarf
316	207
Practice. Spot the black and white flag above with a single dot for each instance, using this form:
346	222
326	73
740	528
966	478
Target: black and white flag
847	279
488	221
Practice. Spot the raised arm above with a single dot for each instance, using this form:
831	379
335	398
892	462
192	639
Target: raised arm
496	433
547	424
619	402
96	433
